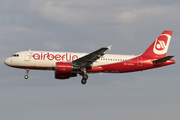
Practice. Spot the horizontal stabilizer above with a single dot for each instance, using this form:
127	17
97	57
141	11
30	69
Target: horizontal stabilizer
164	59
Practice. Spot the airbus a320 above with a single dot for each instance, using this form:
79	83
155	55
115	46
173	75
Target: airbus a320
70	64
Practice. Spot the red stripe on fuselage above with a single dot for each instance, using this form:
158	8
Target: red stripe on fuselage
121	67
133	65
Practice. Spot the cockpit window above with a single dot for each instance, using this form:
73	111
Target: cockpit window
15	55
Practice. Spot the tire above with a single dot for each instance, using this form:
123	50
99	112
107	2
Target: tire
26	76
83	81
85	76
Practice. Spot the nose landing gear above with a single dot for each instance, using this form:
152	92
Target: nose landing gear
27	72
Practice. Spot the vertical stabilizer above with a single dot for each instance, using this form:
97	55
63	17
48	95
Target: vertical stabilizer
159	47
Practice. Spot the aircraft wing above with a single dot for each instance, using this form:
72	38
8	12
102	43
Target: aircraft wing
87	60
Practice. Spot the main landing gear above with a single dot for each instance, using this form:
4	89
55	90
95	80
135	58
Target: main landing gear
27	72
84	79
84	76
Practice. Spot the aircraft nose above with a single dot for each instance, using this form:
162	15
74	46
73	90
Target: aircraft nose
7	61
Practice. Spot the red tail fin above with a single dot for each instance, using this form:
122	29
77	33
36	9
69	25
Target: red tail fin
160	46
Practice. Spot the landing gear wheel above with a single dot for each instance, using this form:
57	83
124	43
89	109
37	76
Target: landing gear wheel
26	76
83	81
85	76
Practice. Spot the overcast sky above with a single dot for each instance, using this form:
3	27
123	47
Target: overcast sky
84	26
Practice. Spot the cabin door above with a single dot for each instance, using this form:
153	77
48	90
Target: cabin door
139	61
27	56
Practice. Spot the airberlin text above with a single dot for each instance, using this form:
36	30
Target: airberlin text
57	57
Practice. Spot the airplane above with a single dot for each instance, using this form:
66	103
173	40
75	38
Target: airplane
69	64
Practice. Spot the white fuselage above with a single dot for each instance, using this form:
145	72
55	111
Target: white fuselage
48	59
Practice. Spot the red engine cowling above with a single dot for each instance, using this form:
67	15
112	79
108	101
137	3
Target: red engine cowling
63	70
63	67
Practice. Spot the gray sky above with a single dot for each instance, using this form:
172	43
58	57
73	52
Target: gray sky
84	26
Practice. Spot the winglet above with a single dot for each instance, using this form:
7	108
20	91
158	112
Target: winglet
109	47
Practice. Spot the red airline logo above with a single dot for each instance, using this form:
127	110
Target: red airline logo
161	42
57	57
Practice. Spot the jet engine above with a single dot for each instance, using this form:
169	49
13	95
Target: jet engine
63	70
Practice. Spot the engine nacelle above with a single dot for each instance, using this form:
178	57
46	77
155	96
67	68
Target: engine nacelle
63	70
60	75
63	67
